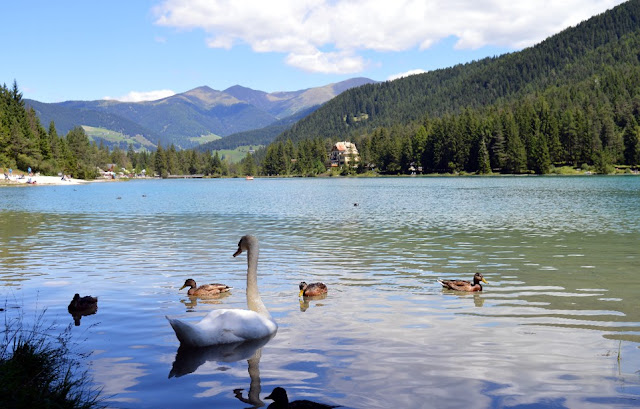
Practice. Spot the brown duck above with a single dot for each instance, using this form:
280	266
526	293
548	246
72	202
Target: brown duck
463	285
312	290
205	289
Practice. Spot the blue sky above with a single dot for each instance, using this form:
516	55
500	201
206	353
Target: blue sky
146	49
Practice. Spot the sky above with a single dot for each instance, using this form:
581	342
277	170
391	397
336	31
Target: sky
134	50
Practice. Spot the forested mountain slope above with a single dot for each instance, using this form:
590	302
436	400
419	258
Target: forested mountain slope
563	58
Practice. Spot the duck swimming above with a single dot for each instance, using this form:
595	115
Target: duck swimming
79	304
281	401
463	285
312	290
205	289
82	306
227	326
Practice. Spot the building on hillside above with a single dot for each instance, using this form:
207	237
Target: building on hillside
342	153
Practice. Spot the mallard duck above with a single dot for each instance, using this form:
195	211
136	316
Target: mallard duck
205	289
312	290
281	401
463	285
227	326
81	306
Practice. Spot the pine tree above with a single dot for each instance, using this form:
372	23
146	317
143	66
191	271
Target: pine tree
160	162
632	143
249	165
484	165
216	165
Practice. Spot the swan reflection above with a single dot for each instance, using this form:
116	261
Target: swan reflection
305	301
189	359
253	397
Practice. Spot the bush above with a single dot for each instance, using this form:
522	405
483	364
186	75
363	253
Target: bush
38	370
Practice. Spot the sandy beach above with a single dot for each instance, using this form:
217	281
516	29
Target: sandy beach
40	180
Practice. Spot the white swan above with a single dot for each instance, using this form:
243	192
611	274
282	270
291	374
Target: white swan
232	325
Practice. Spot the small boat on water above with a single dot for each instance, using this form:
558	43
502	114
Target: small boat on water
249	178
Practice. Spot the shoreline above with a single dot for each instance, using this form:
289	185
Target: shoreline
23	180
41	181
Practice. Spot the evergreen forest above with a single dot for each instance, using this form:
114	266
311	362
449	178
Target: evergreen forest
571	100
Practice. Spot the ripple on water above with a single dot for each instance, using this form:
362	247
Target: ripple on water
545	329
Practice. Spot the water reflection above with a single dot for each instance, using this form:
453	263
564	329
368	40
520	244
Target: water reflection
192	301
562	268
188	360
478	297
253	397
305	302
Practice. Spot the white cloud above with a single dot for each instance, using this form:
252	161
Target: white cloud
406	74
137	96
305	29
326	62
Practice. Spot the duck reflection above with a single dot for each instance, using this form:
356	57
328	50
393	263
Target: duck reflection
281	401
192	301
305	302
189	359
82	306
478	298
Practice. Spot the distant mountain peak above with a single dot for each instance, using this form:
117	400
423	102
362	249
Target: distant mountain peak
182	119
208	97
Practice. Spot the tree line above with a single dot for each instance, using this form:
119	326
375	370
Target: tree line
593	123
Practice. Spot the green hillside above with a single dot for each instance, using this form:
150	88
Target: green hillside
573	99
256	137
112	139
565	57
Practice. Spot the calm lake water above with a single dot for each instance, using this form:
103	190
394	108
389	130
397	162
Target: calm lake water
557	326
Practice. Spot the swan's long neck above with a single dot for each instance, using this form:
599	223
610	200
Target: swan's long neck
254	302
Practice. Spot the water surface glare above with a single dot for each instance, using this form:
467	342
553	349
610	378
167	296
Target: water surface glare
557	326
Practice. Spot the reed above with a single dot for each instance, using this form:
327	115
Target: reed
40	370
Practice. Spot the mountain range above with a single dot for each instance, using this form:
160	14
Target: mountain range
191	118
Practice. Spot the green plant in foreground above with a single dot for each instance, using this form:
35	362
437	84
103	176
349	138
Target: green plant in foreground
38	369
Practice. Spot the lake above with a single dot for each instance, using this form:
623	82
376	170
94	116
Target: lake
558	325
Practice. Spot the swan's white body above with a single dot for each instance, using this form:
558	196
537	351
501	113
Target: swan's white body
231	325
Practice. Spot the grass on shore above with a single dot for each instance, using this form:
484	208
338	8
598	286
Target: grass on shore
39	370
